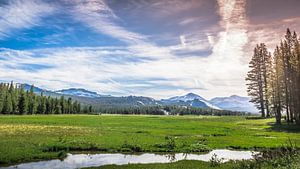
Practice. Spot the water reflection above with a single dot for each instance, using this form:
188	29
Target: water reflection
171	157
89	160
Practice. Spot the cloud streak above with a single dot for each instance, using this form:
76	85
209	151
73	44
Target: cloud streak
107	69
17	14
97	15
210	59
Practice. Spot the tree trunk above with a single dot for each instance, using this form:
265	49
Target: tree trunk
267	108
263	114
278	116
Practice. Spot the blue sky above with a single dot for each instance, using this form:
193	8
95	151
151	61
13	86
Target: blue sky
137	47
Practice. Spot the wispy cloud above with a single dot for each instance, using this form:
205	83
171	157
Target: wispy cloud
93	69
209	58
109	68
19	14
225	64
271	33
187	21
97	15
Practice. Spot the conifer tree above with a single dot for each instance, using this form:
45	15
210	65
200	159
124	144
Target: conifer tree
276	85
23	105
295	76
258	77
14	97
282	82
69	106
31	101
1	96
42	104
57	108
7	105
266	65
48	105
62	104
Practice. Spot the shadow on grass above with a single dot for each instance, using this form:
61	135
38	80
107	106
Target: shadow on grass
284	127
256	118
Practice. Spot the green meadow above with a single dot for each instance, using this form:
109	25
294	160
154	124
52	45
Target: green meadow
40	137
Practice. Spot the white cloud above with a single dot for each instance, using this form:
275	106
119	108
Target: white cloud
97	15
182	40
226	61
220	74
20	14
188	21
87	67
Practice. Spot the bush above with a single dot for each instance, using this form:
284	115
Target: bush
170	142
131	147
215	161
198	147
169	145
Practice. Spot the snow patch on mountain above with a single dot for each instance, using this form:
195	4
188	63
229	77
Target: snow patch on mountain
235	103
190	99
187	97
78	92
141	103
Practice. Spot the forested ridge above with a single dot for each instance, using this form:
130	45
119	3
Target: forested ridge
274	80
15	100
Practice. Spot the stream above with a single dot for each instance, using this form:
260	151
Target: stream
73	161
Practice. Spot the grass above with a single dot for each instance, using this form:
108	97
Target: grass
186	164
191	164
36	137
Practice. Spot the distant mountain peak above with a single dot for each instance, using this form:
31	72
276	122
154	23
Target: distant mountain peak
192	95
78	92
76	89
28	87
190	99
187	97
236	96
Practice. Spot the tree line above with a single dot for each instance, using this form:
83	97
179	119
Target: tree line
274	80
15	100
167	110
189	110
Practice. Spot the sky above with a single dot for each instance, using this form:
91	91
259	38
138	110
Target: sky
148	48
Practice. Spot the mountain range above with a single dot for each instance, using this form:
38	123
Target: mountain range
189	99
234	102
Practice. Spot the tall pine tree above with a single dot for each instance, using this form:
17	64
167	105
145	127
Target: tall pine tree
23	104
258	78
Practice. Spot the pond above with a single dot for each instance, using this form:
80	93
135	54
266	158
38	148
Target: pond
73	161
